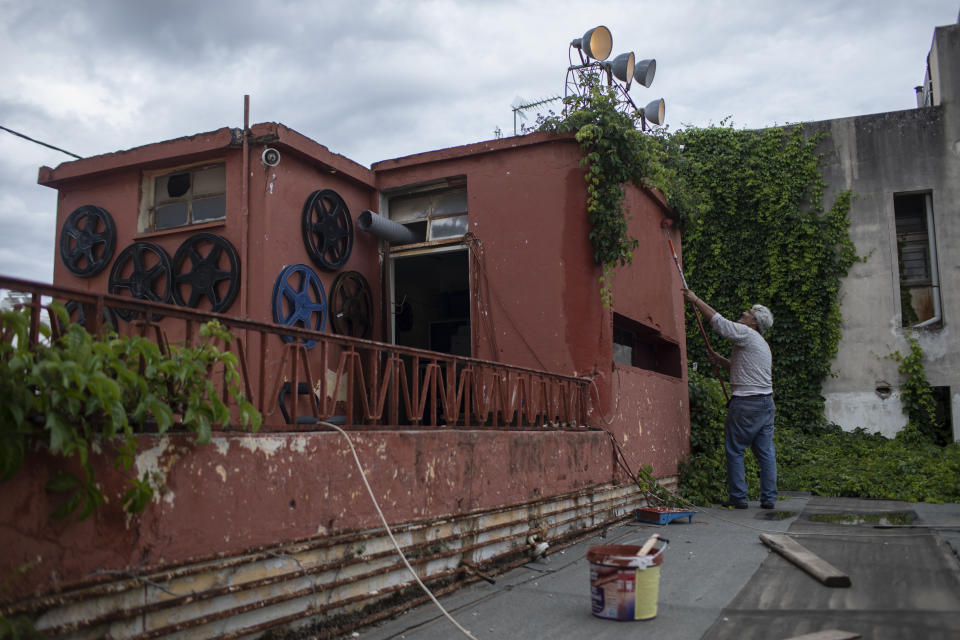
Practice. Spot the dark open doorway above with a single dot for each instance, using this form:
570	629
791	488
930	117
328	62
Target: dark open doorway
432	301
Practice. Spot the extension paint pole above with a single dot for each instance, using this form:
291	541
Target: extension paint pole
696	314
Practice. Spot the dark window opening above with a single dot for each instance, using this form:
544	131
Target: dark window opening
943	416
916	260
637	345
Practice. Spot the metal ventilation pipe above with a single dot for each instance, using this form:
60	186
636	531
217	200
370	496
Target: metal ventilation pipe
384	228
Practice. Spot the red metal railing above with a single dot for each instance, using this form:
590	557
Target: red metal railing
354	382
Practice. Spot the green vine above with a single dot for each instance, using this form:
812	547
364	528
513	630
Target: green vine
762	235
826	461
916	394
80	393
615	152
19	627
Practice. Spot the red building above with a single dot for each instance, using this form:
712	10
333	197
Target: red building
462	343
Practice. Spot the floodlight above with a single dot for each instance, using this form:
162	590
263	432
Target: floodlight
654	111
596	43
644	72
622	67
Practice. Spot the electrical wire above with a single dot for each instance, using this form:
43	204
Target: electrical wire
49	146
474	242
616	407
386	526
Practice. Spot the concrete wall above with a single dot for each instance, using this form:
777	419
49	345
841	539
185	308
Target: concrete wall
878	156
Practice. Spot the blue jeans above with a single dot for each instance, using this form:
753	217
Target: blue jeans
750	424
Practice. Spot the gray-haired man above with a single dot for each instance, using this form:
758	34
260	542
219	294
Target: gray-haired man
750	412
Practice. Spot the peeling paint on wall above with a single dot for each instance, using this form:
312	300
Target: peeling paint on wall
222	445
266	445
154	463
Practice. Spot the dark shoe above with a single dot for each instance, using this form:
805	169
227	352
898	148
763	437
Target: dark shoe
767	505
729	504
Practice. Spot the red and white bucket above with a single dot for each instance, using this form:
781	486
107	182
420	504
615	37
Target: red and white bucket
625	584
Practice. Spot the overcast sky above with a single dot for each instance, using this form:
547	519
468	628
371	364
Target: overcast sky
374	80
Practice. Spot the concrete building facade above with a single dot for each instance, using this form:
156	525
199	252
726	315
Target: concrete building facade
904	169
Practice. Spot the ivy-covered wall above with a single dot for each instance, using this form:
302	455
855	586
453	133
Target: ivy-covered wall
878	157
761	234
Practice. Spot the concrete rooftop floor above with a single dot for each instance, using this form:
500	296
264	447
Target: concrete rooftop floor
718	581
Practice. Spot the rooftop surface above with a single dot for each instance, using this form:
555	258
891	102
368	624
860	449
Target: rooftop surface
719	581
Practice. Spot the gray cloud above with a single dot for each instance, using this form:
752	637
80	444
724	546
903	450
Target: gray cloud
380	79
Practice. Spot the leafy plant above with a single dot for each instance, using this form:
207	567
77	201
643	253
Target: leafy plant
19	628
826	461
833	462
655	491
917	396
616	152
81	392
760	233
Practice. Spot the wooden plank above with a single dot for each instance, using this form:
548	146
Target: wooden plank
829	634
806	560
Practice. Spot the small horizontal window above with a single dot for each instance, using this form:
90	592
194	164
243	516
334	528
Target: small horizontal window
420	206
637	345
188	196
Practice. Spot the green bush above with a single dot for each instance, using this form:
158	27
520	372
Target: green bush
826	461
703	476
833	462
761	234
82	392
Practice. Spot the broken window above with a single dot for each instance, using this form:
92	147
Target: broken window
637	345
917	261
435	212
192	195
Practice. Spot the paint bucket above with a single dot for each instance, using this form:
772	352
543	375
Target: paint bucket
623	584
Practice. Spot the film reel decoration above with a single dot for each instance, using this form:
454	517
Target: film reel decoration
299	300
213	273
142	270
77	312
327	229
87	241
351	305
